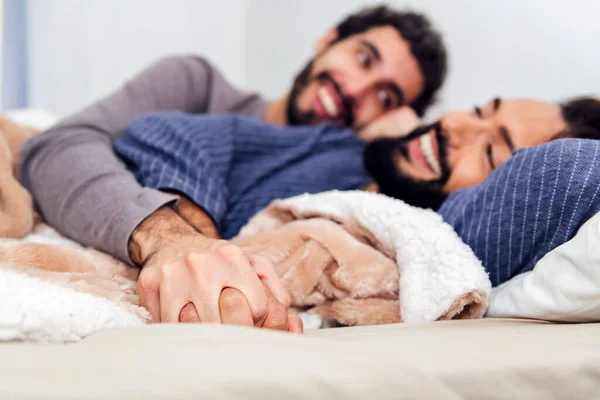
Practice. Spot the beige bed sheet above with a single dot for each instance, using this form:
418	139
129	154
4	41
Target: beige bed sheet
477	359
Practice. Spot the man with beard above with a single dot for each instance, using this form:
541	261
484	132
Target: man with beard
372	62
249	165
489	172
463	148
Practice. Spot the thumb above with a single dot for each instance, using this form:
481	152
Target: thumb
295	324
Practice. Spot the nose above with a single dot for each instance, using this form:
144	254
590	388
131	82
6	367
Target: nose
358	85
463	128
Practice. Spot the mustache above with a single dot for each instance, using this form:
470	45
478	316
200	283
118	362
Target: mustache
347	101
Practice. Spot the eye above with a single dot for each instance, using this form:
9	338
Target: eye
388	99
478	112
488	151
365	59
385	98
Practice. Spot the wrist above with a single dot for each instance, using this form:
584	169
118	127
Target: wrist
161	229
197	217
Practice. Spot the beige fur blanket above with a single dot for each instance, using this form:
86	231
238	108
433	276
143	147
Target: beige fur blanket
354	258
362	258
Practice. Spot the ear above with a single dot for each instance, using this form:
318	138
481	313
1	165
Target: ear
326	40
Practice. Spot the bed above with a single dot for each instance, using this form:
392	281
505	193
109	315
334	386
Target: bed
476	359
487	358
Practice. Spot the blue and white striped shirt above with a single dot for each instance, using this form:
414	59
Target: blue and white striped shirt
234	166
531	204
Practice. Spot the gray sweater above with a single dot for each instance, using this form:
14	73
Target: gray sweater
78	183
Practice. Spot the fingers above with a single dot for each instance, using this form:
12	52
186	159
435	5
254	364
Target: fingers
188	314
171	303
148	292
236	311
243	278
295	324
277	318
213	284
266	272
205	288
234	308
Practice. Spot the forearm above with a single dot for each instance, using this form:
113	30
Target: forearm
79	185
97	202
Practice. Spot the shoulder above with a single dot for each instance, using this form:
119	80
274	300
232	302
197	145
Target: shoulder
200	75
183	61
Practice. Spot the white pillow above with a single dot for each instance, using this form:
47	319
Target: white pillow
563	286
32	117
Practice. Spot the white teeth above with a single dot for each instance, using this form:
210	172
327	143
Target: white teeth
328	102
427	150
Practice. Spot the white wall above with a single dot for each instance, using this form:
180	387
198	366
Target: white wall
539	48
81	50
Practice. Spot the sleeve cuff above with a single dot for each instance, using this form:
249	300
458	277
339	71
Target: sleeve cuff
211	198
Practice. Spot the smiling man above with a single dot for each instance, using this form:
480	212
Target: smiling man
464	147
370	63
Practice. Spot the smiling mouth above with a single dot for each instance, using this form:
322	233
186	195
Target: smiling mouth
428	151
423	152
328	102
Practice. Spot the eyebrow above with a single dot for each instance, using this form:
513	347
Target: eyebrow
507	139
497	103
503	131
372	49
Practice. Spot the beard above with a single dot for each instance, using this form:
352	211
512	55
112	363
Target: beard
295	116
380	162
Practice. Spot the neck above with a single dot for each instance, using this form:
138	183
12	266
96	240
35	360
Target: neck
276	111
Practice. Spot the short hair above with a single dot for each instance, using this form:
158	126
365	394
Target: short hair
425	42
582	116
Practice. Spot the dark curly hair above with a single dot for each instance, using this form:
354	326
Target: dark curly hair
425	42
582	115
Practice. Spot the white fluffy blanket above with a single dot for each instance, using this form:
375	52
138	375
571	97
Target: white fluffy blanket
436	269
40	311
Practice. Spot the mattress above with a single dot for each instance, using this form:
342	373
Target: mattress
470	359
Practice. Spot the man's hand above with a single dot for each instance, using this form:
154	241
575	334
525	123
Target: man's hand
182	266
235	311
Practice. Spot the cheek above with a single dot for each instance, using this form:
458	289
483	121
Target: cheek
366	111
335	60
465	173
307	96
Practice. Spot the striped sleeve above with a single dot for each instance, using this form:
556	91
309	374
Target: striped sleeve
533	203
188	154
